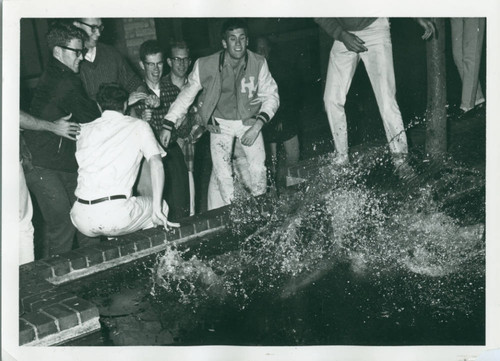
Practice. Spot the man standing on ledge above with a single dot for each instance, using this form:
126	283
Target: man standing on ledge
109	152
368	39
238	96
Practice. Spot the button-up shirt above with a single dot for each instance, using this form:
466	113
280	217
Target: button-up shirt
109	152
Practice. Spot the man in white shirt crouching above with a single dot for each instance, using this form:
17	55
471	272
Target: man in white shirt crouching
109	151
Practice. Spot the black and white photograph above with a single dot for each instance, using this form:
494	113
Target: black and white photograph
205	181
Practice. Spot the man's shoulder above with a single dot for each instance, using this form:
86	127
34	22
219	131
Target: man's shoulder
256	58
212	59
58	79
108	52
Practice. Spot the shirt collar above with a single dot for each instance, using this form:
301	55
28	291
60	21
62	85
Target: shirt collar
91	53
61	66
168	77
224	62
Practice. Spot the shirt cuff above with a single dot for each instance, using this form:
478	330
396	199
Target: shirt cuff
168	125
263	117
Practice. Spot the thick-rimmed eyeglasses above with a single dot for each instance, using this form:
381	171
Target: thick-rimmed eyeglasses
77	52
178	61
153	65
94	28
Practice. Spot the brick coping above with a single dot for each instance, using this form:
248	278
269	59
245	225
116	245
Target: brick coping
49	315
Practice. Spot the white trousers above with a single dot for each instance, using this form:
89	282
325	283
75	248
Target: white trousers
380	68
26	245
221	186
114	218
467	36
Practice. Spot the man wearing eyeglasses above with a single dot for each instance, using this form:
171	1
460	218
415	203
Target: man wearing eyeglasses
52	175
166	88
103	63
238	96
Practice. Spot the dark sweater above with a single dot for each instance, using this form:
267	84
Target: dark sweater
108	66
59	92
335	26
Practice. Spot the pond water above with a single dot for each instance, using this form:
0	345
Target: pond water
354	257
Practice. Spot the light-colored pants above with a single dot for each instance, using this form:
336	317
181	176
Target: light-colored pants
26	245
380	68
467	36
221	186
114	218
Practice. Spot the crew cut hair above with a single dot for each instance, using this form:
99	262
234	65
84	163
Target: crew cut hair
150	47
61	33
232	24
179	44
111	96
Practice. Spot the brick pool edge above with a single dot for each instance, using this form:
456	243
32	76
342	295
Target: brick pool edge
50	316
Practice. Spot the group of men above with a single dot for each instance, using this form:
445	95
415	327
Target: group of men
130	131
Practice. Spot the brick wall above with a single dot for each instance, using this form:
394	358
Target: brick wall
137	31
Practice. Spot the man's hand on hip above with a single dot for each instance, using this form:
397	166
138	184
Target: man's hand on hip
251	134
165	137
352	42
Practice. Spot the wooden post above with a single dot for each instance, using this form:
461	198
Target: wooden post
435	140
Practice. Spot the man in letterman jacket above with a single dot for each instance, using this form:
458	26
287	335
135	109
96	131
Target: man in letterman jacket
238	97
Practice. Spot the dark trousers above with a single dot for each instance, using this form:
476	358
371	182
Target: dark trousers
176	190
55	194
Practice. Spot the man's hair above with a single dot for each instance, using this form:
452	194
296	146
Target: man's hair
61	33
180	44
111	96
149	47
232	24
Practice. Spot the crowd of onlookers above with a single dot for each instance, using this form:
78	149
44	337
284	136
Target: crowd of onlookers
106	152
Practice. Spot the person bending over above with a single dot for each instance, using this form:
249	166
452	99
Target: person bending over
109	152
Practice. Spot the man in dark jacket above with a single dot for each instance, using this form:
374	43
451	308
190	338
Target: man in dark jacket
52	173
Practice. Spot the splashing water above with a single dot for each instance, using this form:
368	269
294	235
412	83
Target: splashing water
360	215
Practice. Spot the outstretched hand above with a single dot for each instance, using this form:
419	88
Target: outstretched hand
66	129
352	42
429	27
134	97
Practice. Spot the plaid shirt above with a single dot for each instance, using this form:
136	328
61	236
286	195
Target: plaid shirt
168	94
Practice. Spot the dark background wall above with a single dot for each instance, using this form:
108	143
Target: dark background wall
298	39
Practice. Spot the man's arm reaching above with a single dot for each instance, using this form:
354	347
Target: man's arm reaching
60	127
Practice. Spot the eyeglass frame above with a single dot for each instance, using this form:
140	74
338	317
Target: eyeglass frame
178	60
151	65
83	51
93	27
